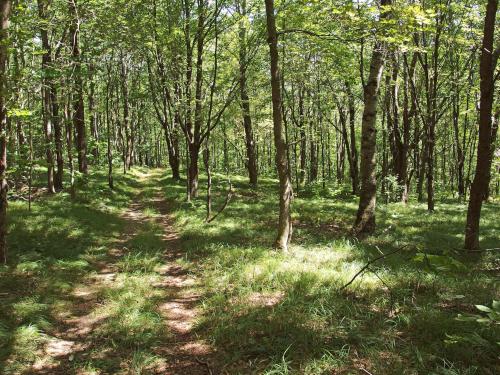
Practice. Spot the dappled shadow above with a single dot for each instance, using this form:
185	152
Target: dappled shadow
54	253
399	314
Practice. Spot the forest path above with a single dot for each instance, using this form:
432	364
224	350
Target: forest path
189	354
180	350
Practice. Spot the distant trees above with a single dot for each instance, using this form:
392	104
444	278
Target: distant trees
160	82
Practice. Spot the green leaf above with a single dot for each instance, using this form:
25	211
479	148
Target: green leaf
484	308
483	320
467	318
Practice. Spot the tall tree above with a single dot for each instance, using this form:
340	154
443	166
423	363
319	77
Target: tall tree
78	102
483	165
251	160
285	186
365	218
46	94
353	151
5	7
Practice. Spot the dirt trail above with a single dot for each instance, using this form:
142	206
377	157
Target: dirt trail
183	353
181	310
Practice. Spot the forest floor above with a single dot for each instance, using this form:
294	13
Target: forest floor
135	282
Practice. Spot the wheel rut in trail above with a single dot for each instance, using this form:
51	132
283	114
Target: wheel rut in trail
188	354
182	352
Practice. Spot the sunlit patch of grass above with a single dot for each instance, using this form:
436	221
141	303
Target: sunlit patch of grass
74	265
150	212
272	312
130	309
26	341
138	262
328	362
144	362
261	303
30	310
51	250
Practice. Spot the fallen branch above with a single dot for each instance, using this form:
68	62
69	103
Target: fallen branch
206	364
226	202
14	197
479	250
367	265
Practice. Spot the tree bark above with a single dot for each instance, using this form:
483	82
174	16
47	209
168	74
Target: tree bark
285	186
78	103
5	6
303	138
313	148
365	218
195	136
188	125
46	107
251	162
127	141
354	169
109	150
58	177
92	114
483	166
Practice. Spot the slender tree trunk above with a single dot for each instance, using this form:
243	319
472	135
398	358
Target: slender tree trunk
195	145
313	149
422	166
194	152
345	142
92	115
20	137
365	218
251	162
188	126
206	161
173	153
47	113
494	131
353	147
400	133
483	166
285	186
127	142
408	114
460	158
109	152
432	113
303	138
69	145
385	166
47	126
78	103
58	138
5	6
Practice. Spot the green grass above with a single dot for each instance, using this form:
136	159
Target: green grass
264	312
272	313
54	252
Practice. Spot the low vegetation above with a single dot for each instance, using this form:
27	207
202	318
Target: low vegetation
261	311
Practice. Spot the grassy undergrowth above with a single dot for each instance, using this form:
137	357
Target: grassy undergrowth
56	252
263	311
272	313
